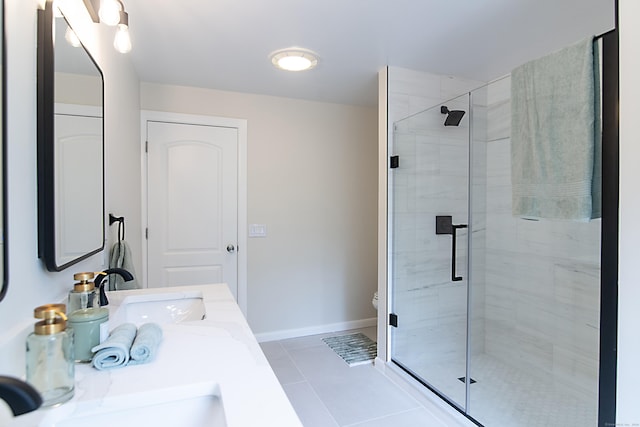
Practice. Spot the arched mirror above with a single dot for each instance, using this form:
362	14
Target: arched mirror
70	146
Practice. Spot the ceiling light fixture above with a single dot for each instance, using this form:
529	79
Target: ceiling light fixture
112	13
294	59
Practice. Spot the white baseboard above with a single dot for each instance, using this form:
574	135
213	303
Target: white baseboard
314	330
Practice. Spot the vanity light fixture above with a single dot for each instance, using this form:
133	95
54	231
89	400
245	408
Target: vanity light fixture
71	37
57	13
122	42
112	13
294	59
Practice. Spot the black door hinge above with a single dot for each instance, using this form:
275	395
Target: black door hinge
393	319
394	162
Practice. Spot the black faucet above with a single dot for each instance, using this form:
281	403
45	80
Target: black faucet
19	395
98	281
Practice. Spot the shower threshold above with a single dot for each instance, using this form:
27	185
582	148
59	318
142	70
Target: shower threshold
500	391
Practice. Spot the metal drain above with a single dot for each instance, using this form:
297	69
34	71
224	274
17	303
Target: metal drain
464	378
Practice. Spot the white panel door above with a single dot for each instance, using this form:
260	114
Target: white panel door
78	160
192	204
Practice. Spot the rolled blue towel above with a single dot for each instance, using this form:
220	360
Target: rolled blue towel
114	351
146	343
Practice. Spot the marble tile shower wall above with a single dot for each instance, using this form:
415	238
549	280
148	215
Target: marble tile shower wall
431	180
542	277
478	206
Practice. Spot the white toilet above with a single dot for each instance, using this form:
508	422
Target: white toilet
374	301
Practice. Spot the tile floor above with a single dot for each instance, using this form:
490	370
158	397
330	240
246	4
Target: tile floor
506	396
326	392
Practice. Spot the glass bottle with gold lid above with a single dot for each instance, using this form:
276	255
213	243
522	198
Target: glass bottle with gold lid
84	293
89	321
50	358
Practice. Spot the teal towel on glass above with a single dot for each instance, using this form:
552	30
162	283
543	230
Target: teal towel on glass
146	343
555	135
114	351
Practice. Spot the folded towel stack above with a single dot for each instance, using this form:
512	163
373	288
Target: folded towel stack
127	345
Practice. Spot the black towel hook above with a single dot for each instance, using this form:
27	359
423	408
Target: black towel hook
120	221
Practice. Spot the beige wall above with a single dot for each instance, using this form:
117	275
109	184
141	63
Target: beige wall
312	181
29	284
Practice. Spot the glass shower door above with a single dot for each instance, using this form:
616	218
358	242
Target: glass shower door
428	230
497	314
534	293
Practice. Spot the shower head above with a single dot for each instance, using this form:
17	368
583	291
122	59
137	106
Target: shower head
453	116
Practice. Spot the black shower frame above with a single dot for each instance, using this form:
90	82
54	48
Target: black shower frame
609	231
607	373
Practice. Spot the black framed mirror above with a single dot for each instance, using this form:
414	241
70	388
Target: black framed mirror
70	145
4	264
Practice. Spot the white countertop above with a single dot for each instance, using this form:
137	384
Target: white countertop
219	352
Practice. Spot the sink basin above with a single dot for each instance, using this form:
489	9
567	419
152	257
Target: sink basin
162	308
192	407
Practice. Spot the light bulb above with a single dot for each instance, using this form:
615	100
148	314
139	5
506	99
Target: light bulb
294	59
294	63
57	13
72	37
110	12
122	42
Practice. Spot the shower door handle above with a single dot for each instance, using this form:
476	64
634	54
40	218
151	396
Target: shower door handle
454	227
445	225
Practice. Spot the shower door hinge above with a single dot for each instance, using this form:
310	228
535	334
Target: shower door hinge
394	162
393	319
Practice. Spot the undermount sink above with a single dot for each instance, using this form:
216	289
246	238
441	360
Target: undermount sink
206	372
192	407
162	308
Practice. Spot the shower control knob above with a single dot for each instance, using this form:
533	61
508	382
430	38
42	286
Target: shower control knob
230	248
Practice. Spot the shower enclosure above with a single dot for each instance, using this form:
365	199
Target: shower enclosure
496	314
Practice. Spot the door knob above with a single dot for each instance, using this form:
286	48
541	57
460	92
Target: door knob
230	248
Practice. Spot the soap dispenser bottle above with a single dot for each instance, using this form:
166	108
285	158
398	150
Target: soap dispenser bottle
50	359
89	321
84	293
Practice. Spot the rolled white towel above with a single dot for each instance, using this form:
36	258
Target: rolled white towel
114	351
146	343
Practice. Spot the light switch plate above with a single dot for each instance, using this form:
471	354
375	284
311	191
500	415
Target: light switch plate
257	230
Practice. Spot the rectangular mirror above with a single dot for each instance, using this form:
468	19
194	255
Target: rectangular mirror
3	204
70	146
